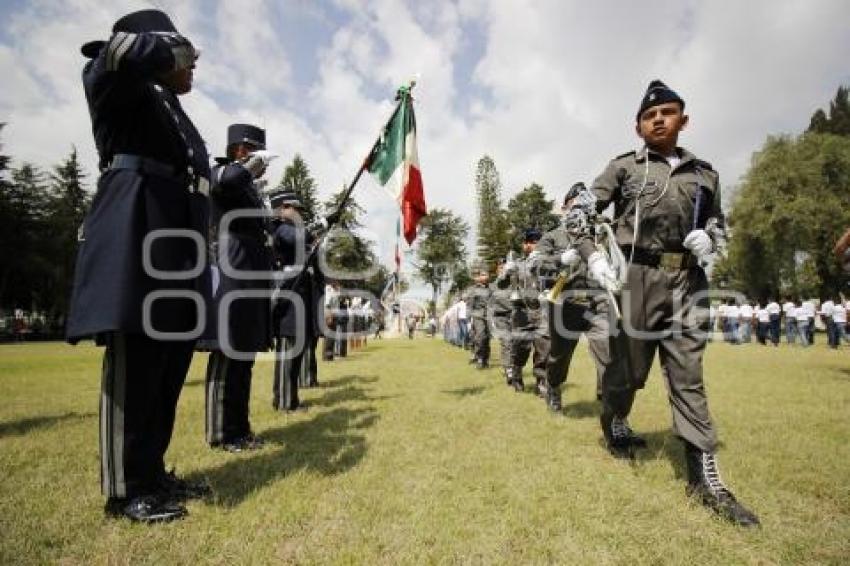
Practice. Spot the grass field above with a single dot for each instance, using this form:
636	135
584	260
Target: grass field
409	456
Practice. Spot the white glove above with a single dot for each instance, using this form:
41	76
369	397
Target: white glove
258	161
534	256
602	272
699	242
509	267
570	257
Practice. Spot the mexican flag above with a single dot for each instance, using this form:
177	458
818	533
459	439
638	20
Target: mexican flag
394	158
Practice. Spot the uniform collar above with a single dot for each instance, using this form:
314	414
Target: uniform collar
683	153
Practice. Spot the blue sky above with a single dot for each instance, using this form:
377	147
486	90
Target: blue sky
547	88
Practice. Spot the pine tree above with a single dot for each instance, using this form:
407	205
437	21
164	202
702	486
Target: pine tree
297	178
838	120
344	250
530	208
494	237
441	249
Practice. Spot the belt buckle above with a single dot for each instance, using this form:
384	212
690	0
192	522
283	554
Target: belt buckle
671	261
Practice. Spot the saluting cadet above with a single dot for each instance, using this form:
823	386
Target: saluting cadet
582	306
477	301
500	310
243	250
667	205
154	176
529	324
297	315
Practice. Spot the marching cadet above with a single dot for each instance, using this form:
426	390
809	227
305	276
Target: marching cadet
297	315
501	309
478	300
243	249
154	176
529	326
667	205
583	306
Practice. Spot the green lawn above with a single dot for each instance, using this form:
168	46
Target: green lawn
409	456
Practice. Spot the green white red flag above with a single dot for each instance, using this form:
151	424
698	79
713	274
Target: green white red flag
394	157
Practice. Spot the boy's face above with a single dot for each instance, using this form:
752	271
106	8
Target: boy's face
659	126
483	277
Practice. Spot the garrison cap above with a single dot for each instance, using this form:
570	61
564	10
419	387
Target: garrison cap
658	93
246	133
285	198
134	22
531	235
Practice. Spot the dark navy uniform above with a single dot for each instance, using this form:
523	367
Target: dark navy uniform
154	176
242	244
297	316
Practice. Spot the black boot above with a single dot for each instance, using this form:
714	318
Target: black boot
635	440
704	482
617	438
542	388
553	399
145	509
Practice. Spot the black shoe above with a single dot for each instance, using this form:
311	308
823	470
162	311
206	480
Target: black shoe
300	408
180	489
616	435
482	364
635	440
246	443
704	483
145	509
553	399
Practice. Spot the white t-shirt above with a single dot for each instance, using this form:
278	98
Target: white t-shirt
763	315
839	314
809	307
773	307
732	311
461	310
788	309
801	314
826	308
721	310
746	312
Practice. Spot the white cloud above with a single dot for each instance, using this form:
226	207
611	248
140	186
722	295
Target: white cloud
552	96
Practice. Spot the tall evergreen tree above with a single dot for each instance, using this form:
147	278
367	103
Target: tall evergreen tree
343	249
530	208
494	237
297	178
441	250
68	206
838	120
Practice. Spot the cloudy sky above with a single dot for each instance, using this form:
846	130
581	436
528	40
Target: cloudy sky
547	88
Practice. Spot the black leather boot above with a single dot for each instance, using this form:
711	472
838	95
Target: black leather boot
145	509
704	483
616	433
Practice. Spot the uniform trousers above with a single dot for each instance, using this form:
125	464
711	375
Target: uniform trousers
228	394
140	385
502	327
308	375
481	339
667	311
287	367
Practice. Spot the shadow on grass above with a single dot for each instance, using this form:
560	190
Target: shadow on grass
328	444
582	409
466	391
350	379
25	426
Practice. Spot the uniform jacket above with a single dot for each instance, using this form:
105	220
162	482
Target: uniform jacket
243	244
479	297
132	114
310	289
665	197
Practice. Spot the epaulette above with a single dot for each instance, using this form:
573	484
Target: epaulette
704	164
628	153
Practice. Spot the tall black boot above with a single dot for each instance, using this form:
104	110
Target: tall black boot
704	482
553	399
617	437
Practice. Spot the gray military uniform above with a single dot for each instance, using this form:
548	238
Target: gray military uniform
582	307
528	321
664	302
479	297
501	312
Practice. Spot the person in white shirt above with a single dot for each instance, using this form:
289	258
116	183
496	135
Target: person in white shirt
733	313
839	318
809	307
462	325
788	309
763	318
721	315
802	316
746	323
775	312
826	315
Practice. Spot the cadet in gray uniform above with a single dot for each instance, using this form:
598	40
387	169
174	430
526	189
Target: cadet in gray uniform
582	306
501	311
479	297
529	322
667	217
